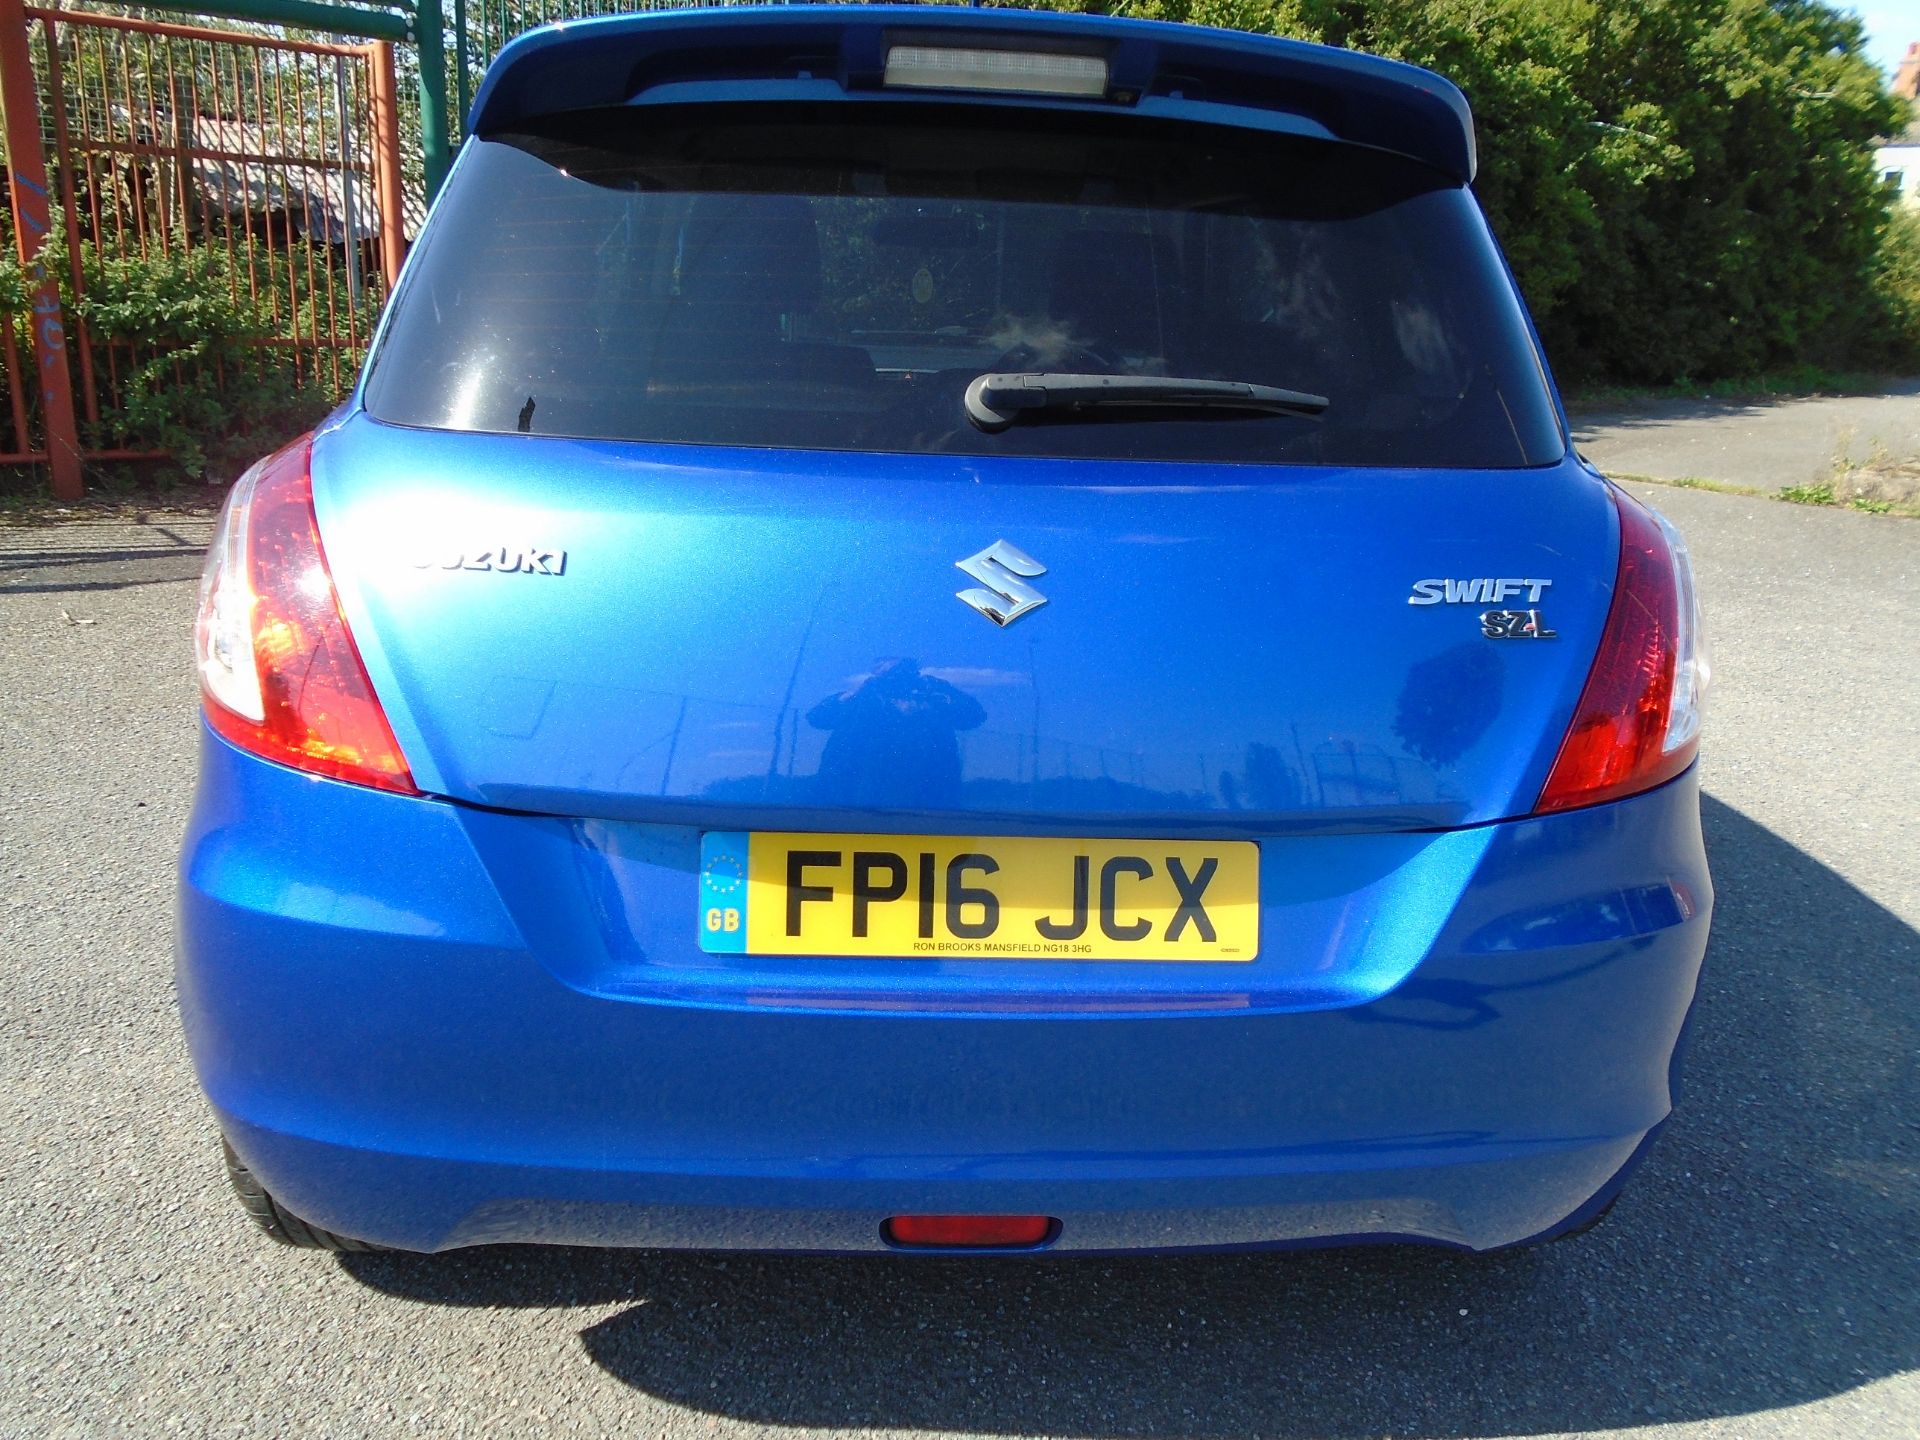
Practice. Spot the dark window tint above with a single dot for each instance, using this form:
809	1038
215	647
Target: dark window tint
802	279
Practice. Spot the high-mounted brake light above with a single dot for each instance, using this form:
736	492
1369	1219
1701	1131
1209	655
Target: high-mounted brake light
1638	721
279	671
1025	72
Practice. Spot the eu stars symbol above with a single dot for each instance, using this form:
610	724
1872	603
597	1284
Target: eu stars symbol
725	873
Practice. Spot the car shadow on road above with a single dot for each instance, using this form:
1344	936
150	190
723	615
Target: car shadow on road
48	570
1767	1255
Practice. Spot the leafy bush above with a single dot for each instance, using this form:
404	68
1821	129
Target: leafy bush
186	360
1685	188
1896	284
195	372
13	283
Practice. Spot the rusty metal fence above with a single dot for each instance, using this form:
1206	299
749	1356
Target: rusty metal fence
134	140
264	166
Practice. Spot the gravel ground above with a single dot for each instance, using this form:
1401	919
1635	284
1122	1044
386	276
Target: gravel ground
1761	1278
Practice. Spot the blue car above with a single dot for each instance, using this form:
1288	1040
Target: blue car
944	630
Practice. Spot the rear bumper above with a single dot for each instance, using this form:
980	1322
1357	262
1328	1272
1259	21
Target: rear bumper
429	1026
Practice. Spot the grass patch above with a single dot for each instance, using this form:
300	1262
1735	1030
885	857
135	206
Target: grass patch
1697	482
1826	494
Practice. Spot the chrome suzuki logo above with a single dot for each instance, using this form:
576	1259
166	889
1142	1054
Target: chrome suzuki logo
1003	571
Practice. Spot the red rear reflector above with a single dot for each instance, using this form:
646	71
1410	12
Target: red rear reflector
967	1231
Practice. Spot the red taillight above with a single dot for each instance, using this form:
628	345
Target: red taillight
1638	720
968	1232
279	671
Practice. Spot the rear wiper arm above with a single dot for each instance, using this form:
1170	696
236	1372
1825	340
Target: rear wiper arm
997	399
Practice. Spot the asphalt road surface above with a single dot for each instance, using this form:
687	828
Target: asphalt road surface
1760	1278
1765	444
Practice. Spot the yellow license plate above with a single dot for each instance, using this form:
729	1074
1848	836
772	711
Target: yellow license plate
973	897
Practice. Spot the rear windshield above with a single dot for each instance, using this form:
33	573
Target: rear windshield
799	279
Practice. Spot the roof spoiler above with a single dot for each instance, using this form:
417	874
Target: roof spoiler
848	53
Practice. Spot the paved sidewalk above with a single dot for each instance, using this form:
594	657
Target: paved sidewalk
1769	444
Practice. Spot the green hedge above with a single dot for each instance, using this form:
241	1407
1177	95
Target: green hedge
1686	188
197	380
194	379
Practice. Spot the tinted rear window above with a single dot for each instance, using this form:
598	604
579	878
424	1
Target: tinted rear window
800	279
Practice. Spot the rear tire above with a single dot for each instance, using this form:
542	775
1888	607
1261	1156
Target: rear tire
278	1221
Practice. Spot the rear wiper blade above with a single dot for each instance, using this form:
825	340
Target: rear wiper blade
997	399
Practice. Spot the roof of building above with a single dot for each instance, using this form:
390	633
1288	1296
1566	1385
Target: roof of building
1906	80
242	166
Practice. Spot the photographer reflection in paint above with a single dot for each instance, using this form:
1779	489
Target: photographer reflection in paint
894	737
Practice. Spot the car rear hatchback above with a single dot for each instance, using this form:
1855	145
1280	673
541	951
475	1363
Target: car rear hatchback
944	630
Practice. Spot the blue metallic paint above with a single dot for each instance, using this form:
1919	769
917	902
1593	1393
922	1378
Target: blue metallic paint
1195	671
469	1026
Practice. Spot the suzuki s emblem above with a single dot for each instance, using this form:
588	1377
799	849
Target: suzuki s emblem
1003	571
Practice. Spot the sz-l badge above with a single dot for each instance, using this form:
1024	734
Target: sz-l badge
1003	594
1515	625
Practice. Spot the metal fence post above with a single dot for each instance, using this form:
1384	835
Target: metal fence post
32	228
387	184
429	38
462	83
343	113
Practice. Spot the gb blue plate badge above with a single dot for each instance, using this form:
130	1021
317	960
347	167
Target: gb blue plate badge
723	892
